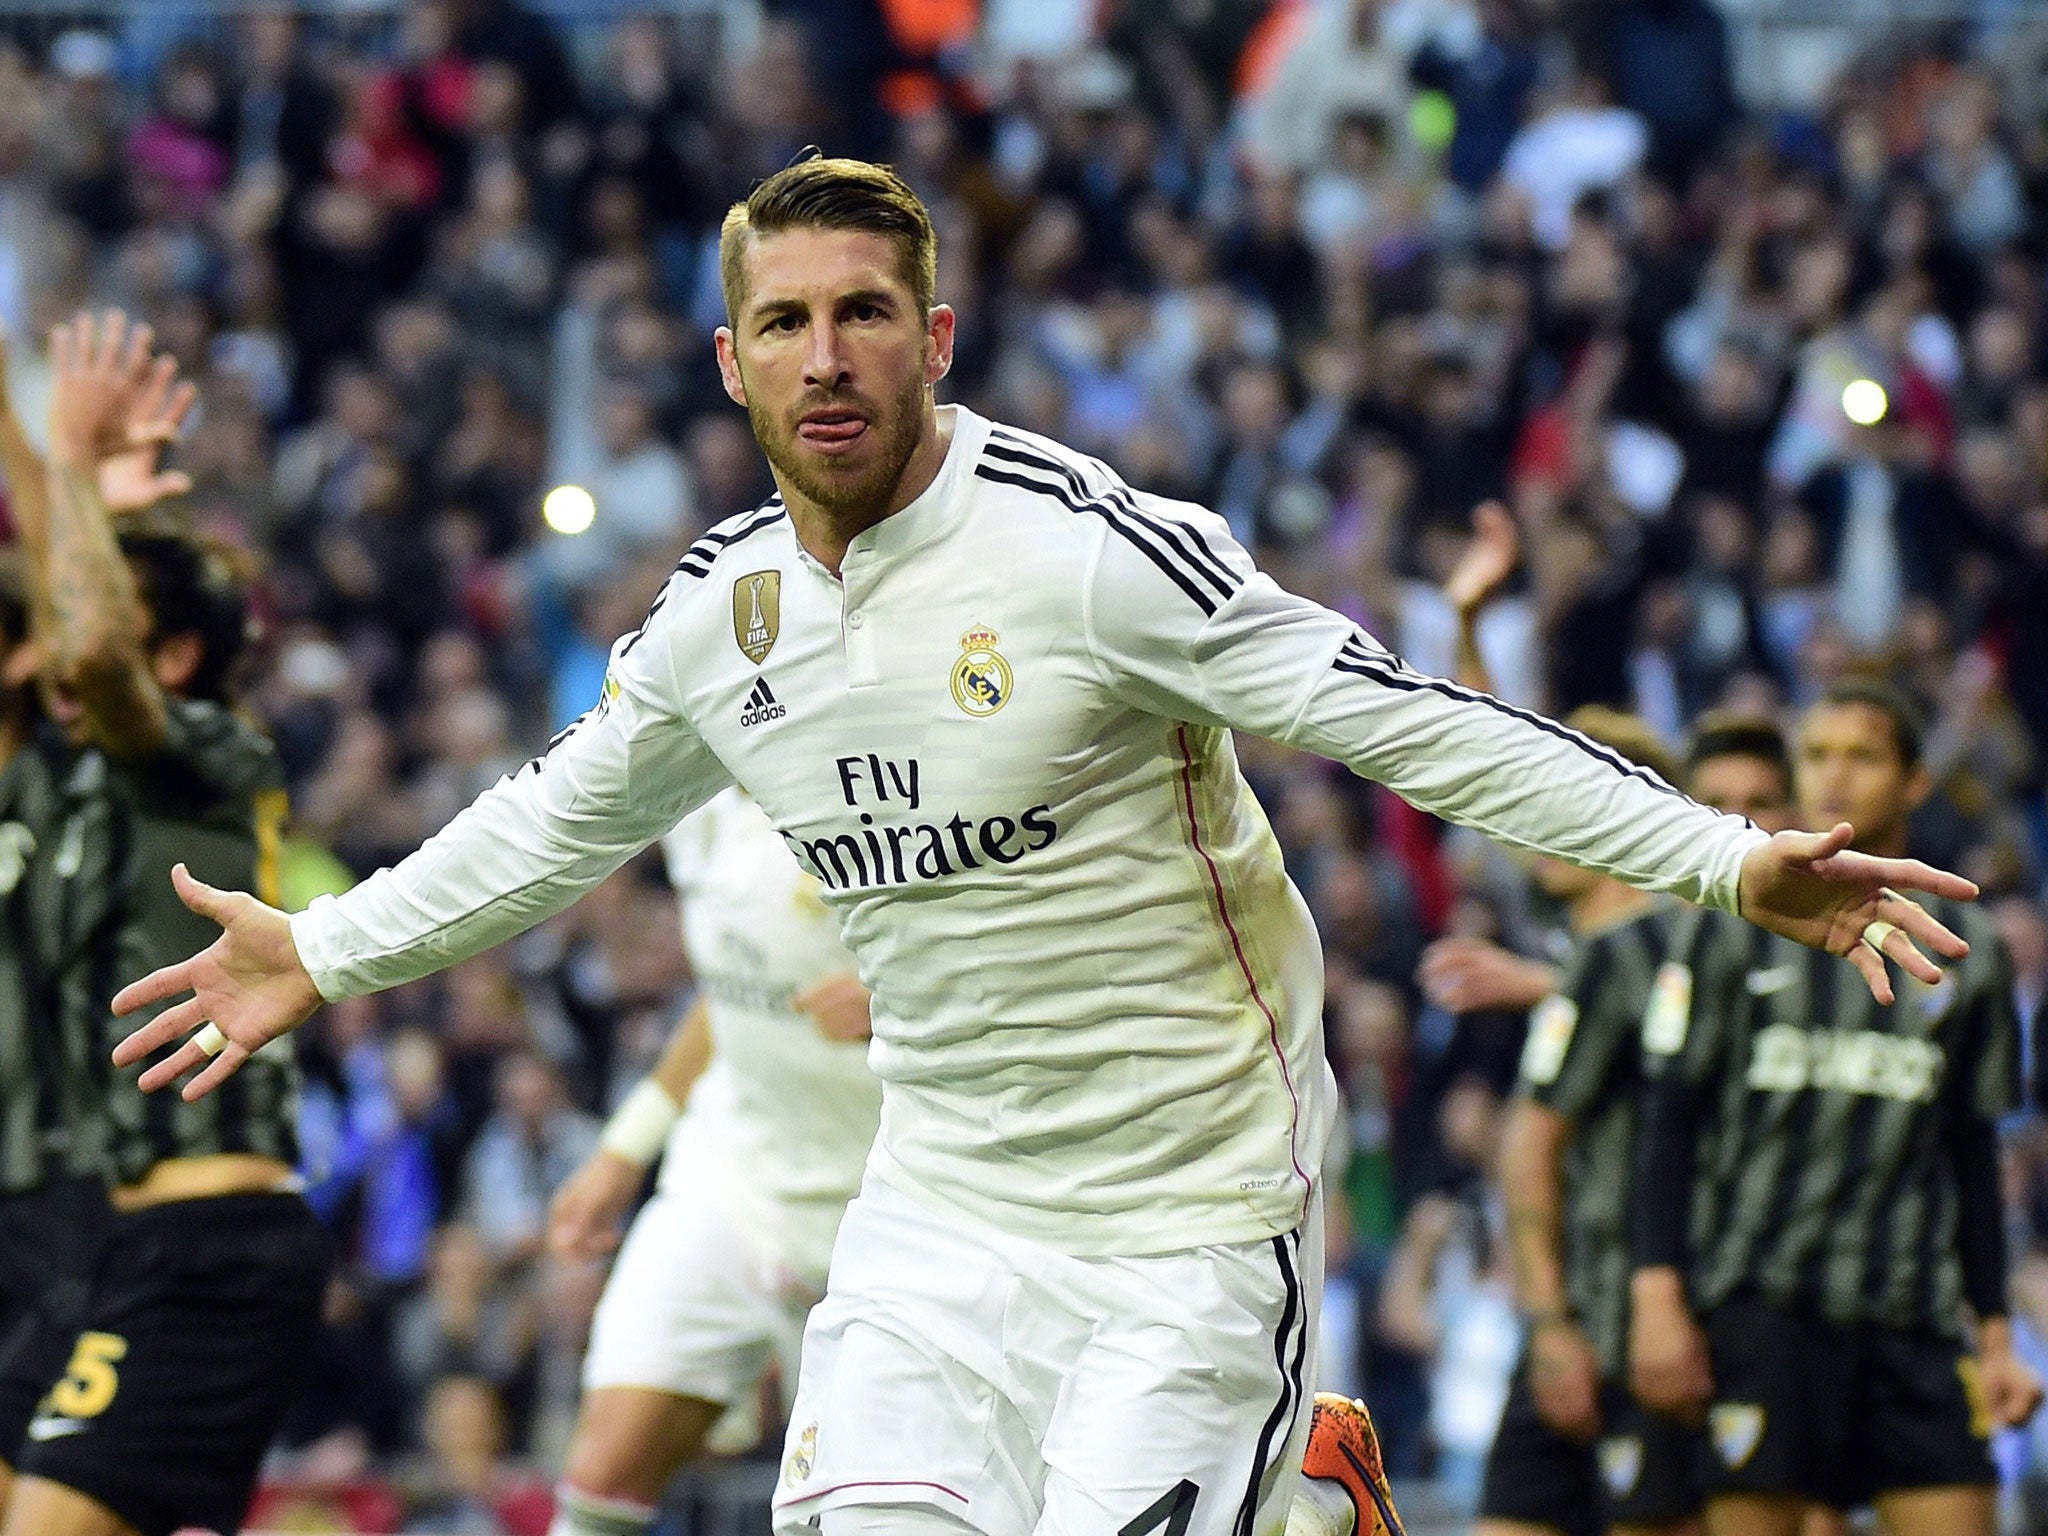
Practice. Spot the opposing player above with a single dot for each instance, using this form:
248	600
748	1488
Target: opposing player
1818	1187
766	1108
63	875
1735	763
1575	1453
206	1293
984	690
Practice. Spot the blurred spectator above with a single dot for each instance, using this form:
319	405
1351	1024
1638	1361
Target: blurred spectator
466	1487
533	1141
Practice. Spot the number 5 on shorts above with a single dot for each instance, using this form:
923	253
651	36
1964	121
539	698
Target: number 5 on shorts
89	1382
1172	1509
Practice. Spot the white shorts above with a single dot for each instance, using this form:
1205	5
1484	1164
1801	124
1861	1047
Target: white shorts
1024	1390
690	1308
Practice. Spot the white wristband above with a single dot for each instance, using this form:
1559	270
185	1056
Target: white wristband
641	1123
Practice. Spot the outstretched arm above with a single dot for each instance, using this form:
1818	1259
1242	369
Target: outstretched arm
625	773
1185	626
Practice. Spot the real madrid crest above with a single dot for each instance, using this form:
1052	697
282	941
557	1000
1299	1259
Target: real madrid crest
981	678
803	1455
757	613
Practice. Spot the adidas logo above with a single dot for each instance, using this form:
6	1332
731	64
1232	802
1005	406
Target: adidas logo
761	705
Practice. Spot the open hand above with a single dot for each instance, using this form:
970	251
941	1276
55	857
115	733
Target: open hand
1812	887
99	368
1489	560
1461	974
134	479
584	1216
249	984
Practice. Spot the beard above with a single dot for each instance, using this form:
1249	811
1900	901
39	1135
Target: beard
830	483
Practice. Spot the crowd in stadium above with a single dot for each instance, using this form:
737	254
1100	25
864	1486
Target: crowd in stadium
1340	269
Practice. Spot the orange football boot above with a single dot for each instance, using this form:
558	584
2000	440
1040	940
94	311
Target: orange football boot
1343	1449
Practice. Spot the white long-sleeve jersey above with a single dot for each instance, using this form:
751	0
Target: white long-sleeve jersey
1000	740
777	1129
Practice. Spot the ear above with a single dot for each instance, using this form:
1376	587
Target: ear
22	665
729	365
175	661
1919	785
938	343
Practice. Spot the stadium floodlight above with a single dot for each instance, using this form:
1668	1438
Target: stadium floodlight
569	509
1864	402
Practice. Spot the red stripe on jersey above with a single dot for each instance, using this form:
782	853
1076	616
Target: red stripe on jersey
1187	784
880	1483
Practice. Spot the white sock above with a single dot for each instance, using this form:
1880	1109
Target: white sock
1321	1507
581	1513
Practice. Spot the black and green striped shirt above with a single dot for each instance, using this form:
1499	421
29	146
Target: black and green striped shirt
1817	1149
211	797
1583	1060
65	852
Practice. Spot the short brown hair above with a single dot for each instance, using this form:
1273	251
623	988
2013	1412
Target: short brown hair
830	193
1630	735
1725	733
1908	730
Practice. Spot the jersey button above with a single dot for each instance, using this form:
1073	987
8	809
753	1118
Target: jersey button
855	619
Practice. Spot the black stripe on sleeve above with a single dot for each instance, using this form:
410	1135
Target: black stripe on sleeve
1292	1314
1185	539
1172	571
1391	672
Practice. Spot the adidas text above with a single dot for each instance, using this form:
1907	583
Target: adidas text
761	705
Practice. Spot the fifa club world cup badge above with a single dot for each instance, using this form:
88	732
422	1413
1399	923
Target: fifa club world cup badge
981	678
757	614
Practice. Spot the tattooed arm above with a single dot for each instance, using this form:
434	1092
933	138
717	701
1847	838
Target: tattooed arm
90	613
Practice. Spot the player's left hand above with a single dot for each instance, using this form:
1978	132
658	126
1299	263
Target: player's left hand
1812	887
2011	1389
839	1004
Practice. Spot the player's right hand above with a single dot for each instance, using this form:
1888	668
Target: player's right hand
98	368
1466	975
1490	559
249	983
1564	1378
1669	1369
584	1216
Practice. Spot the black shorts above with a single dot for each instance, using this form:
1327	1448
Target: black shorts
1837	1413
49	1238
1643	1470
194	1339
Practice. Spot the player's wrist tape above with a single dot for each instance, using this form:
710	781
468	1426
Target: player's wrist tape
641	1123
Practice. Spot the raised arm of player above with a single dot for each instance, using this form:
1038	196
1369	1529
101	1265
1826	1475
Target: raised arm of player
584	1216
89	611
1184	625
622	775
